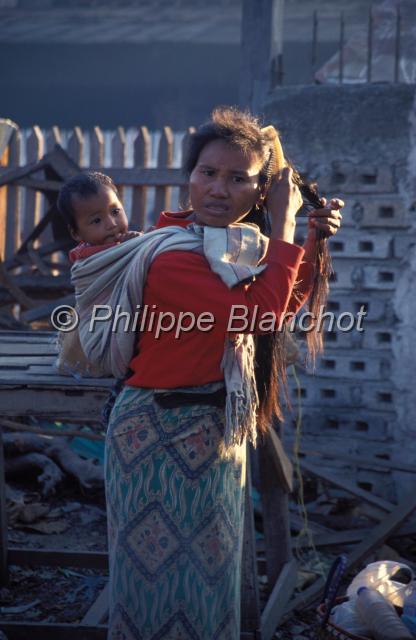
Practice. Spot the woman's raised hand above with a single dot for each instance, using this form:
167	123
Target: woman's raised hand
283	202
328	220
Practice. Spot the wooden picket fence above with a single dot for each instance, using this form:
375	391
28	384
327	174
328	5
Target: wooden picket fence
145	167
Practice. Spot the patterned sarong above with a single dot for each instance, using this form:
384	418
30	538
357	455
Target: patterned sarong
175	504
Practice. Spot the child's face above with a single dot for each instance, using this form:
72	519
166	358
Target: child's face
100	218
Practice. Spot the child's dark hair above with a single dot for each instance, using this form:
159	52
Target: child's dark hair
83	185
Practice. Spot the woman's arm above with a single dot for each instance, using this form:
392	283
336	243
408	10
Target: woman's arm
283	201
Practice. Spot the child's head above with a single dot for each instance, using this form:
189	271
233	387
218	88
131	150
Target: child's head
90	205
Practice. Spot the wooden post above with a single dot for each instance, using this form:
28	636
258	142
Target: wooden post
250	605
53	137
96	149
7	130
3	205
184	190
275	516
13	199
164	159
34	152
141	158
118	154
262	46
76	145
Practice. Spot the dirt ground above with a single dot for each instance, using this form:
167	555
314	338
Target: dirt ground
74	522
71	520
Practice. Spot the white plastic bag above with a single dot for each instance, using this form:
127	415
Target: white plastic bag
345	615
377	575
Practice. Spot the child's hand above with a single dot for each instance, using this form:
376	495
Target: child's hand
129	235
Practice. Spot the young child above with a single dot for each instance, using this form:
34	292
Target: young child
90	205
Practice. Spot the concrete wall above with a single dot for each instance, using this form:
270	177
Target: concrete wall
359	142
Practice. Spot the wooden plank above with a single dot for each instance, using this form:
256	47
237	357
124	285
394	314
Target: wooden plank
97	148
38	184
98	612
42	230
58	558
338	538
25	333
39	265
348	486
278	600
52	404
360	461
118	155
7	128
24	361
75	146
58	159
43	283
141	159
250	604
43	251
70	385
128	176
378	535
61	162
184	190
13	199
297	522
32	371
17	294
53	137
34	152
150	177
274	499
18	337
4	158
52	631
25	349
352	536
283	466
164	160
4	573
9	175
53	432
45	310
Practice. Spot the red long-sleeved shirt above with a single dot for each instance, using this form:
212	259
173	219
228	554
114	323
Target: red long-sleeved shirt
85	250
182	281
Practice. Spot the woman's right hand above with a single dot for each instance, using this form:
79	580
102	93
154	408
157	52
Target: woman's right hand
283	201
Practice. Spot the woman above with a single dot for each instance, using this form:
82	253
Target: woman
175	450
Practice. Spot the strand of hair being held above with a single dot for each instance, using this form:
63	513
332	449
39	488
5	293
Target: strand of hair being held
323	271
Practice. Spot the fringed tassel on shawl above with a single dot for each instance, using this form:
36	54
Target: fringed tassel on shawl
242	398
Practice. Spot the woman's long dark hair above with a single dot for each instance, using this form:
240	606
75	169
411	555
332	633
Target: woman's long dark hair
243	130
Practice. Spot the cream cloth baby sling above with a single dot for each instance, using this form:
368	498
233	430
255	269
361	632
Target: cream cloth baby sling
116	277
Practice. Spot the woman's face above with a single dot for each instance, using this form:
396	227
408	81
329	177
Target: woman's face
224	185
